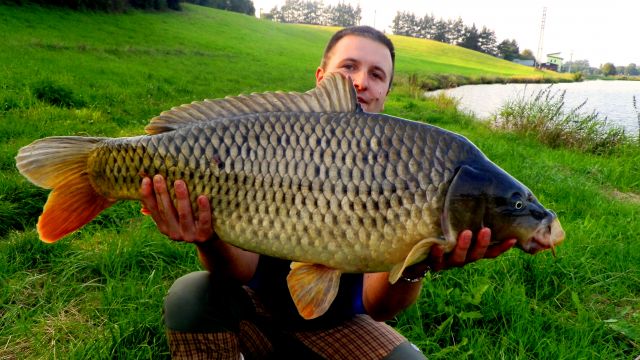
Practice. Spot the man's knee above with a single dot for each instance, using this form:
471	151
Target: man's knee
405	351
187	302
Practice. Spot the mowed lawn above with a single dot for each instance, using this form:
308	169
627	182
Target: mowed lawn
98	293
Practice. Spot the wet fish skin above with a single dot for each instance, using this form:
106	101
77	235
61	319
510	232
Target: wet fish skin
309	187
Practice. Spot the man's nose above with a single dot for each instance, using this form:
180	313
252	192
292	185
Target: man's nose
360	81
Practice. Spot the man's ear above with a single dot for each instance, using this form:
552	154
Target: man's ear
319	75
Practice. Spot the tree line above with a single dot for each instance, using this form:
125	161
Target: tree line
315	13
456	32
103	5
606	69
241	6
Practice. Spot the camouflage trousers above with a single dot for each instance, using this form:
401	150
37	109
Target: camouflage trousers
203	323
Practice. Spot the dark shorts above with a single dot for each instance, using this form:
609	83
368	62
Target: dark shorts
208	321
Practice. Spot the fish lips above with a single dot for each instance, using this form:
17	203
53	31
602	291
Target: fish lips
546	236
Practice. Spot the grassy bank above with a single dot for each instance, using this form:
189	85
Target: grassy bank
98	293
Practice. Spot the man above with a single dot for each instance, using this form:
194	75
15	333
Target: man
210	314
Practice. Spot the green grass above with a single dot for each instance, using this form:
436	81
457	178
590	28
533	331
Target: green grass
99	292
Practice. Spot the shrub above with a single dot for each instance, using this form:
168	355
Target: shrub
544	116
55	94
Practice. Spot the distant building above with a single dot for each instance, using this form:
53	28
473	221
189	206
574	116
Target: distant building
525	62
554	62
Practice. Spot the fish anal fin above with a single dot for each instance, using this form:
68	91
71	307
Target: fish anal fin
70	205
418	253
335	93
313	288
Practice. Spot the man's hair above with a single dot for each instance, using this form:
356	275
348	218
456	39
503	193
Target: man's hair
365	32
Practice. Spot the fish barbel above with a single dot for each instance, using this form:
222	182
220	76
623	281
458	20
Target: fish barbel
307	177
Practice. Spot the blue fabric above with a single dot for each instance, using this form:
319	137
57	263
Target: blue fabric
270	283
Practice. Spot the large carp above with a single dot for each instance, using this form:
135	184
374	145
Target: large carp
307	177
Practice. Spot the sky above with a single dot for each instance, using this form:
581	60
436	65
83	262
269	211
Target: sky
597	31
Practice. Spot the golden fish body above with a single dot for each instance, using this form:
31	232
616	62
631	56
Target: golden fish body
306	177
351	191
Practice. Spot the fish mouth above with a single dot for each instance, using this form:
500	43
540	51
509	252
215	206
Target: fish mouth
546	236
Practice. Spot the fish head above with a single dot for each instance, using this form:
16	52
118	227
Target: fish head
490	197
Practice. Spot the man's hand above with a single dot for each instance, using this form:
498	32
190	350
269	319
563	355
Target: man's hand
463	254
178	223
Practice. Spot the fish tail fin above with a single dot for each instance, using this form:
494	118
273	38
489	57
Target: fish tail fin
60	163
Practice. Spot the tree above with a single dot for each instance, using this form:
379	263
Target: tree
441	31
471	38
508	49
405	23
608	69
456	31
487	42
241	6
274	15
526	54
312	13
578	66
344	15
632	70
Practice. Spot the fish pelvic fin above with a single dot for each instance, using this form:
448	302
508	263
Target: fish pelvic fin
335	93
313	288
418	253
60	163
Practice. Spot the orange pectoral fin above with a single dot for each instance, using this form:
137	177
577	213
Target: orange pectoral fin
313	288
70	206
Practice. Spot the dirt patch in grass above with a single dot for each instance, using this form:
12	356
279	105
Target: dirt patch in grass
625	196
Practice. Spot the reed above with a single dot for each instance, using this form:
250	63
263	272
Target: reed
546	116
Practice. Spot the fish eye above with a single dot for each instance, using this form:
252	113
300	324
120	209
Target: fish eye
518	205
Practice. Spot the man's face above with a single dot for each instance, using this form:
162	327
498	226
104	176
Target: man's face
369	65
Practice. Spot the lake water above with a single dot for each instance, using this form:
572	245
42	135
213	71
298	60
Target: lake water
613	99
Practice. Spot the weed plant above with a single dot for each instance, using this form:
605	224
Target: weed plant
545	116
637	110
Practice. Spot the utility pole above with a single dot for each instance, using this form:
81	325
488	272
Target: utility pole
374	18
570	61
544	19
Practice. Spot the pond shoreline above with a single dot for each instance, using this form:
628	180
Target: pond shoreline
613	100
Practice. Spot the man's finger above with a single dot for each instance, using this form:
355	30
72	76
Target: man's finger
166	209
150	204
459	254
147	196
480	247
185	214
204	230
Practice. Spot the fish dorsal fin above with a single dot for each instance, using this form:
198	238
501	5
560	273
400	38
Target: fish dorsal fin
335	93
418	253
313	288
